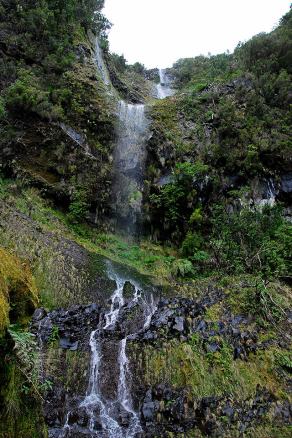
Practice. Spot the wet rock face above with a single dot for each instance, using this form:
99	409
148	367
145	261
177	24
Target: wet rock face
84	356
70	273
166	409
286	183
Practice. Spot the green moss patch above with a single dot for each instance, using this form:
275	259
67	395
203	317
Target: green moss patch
18	293
186	364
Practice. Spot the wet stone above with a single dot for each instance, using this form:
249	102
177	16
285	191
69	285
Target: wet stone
212	347
38	315
78	416
124	417
67	344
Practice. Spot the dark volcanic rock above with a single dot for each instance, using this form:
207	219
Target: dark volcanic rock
181	317
166	409
71	327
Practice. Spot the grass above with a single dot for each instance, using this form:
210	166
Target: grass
214	313
147	258
20	415
70	368
186	364
18	292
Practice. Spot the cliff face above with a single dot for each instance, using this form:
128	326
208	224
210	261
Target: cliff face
57	119
201	302
230	117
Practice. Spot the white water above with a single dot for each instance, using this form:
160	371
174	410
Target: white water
101	64
269	197
129	162
95	401
163	88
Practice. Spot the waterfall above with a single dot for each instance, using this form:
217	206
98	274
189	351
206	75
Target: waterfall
163	88
103	413
108	404
129	155
101	64
129	161
269	195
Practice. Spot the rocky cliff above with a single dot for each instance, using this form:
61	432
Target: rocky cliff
176	323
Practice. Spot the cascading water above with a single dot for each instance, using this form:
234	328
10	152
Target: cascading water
129	161
109	407
269	195
163	88
101	64
103	413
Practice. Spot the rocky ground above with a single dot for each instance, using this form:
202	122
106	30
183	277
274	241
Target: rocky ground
167	407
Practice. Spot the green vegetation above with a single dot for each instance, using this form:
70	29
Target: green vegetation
257	242
197	73
52	28
186	364
225	133
20	391
18	295
21	414
229	121
53	99
146	257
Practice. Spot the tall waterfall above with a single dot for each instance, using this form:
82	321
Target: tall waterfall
108	405
163	88
129	161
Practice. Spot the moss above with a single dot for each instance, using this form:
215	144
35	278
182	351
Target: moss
187	365
21	415
69	368
167	128
18	293
270	431
214	313
188	434
242	298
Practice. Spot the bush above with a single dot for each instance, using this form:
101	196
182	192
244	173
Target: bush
182	268
26	94
252	241
191	244
178	198
79	206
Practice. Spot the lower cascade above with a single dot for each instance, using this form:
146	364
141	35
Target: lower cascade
111	414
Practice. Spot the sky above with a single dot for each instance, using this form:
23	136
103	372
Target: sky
159	32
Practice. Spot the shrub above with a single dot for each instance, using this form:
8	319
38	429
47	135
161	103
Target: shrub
252	241
79	206
191	244
182	268
26	94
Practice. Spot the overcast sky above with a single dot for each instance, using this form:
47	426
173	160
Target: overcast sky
158	32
